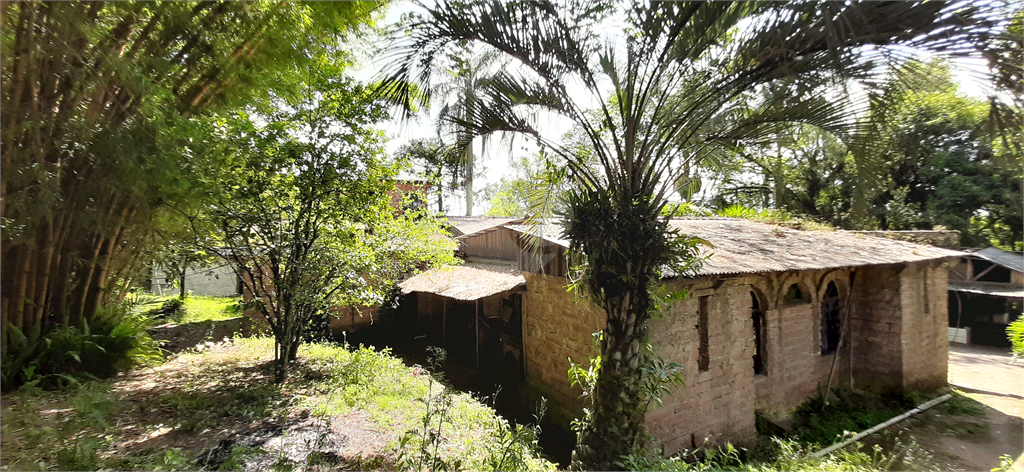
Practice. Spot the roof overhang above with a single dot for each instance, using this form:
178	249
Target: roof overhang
471	281
988	288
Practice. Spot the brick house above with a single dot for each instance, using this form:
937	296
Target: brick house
774	315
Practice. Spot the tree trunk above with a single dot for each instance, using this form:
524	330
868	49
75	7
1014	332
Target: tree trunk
469	179
619	401
181	284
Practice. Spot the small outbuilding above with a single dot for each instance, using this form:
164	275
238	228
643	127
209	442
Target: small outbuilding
986	289
774	316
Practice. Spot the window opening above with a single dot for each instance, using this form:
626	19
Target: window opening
795	295
704	361
830	328
757	321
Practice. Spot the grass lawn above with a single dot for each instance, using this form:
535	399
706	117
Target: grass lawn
341	408
194	309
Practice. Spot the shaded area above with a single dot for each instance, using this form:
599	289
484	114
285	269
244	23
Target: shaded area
497	382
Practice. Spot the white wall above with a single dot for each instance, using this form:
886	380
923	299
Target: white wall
217	280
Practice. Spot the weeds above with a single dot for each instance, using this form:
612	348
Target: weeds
220	396
789	455
961	405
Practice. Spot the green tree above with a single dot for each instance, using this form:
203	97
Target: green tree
463	82
305	217
535	184
673	73
441	164
96	97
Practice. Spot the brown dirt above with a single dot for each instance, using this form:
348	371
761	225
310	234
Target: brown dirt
972	442
176	338
986	368
209	404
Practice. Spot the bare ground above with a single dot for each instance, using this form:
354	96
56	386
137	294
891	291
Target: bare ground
208	407
959	440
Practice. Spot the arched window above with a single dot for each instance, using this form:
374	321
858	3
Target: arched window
830	321
795	295
757	321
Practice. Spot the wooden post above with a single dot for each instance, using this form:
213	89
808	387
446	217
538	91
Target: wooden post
477	319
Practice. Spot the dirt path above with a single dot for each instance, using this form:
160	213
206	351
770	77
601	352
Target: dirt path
983	368
971	434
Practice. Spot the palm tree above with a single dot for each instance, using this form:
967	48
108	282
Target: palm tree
461	86
671	81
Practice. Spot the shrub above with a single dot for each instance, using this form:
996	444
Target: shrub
1015	333
115	341
171	309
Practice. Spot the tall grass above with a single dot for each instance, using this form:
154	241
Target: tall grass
198	393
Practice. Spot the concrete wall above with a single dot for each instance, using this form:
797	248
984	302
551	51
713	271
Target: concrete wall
218	280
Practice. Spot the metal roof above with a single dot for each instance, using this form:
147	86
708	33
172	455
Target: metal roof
549	232
1010	260
988	288
469	281
743	246
466	225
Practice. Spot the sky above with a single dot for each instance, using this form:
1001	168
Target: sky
496	160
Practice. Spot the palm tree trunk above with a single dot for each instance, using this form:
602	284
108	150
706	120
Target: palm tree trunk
469	179
619	400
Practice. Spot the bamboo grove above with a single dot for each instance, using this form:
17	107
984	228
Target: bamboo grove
98	103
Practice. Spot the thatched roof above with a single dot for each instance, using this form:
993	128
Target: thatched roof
469	281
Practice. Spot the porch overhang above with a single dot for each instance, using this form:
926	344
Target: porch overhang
988	288
471	281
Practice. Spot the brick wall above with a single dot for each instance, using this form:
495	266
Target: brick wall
925	343
716	403
796	369
555	328
894	334
877	328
